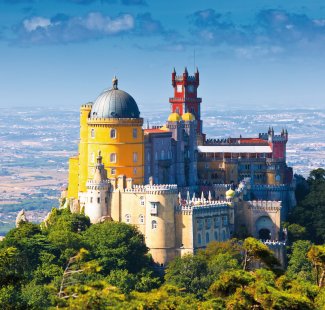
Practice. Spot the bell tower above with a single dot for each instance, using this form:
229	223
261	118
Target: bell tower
185	96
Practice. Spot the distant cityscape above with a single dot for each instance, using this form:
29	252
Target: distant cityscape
29	137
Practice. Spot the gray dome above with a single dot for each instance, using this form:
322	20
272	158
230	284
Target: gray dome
115	103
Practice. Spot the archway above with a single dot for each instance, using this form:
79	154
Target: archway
264	234
264	228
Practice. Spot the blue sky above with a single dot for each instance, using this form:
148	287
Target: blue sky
250	53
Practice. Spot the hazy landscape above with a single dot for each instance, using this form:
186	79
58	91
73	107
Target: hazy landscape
35	145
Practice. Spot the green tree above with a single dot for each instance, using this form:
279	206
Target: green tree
116	246
257	252
190	273
299	266
316	255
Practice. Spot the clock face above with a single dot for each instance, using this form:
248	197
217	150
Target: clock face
190	88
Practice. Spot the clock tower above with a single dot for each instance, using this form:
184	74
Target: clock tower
185	96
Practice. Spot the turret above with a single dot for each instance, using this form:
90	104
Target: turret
174	78
197	77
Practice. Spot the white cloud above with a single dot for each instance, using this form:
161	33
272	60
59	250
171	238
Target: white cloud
98	22
36	22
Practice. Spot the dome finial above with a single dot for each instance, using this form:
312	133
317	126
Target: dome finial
115	82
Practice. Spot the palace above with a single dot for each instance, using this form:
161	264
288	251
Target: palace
181	189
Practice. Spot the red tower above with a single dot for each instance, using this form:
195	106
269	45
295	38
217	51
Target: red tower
185	96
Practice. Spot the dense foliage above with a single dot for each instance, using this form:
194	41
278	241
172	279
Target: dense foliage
109	266
307	220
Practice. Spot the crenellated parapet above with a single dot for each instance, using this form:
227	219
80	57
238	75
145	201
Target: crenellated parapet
265	205
158	189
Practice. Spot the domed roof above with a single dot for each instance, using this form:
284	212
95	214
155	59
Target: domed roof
115	103
174	117
230	193
188	117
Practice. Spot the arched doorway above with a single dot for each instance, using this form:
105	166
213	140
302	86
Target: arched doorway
264	234
265	228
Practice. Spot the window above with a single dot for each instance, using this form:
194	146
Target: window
92	133
98	199
224	220
135	157
208	223
179	88
207	238
91	199
141	219
142	201
105	199
156	156
113	133
199	224
215	235
148	156
92	157
216	222
223	235
154	208
135	133
162	156
113	171
112	158
199	239
154	224
134	171
127	218
177	110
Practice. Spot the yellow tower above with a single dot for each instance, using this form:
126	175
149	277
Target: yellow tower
112	125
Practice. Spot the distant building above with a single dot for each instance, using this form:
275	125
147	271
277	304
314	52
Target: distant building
179	188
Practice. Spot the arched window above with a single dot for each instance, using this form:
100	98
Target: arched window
113	171
113	133
141	219
112	158
223	235
134	171
154	224
156	156
162	154
148	156
135	133
92	157
127	218
207	237
92	133
216	235
199	239
135	157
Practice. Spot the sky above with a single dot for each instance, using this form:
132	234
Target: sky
250	54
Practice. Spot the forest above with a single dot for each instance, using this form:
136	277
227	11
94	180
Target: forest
67	263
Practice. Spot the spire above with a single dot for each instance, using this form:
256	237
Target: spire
99	158
193	198
202	196
185	70
148	126
188	198
174	71
210	197
115	82
197	70
179	198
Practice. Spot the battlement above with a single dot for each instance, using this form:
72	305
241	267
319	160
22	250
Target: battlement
199	206
87	106
275	243
179	78
267	187
153	189
265	205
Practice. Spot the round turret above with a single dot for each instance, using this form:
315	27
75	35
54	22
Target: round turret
174	117
188	117
230	193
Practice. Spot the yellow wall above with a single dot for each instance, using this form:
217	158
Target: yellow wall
73	177
124	145
83	147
